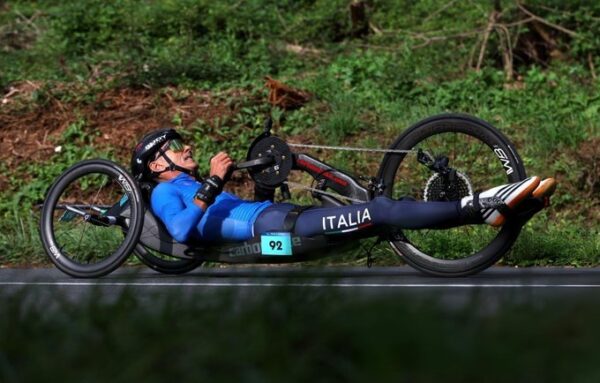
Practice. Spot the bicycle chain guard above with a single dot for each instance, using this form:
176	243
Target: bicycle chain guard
275	174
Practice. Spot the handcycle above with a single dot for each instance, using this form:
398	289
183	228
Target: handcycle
95	215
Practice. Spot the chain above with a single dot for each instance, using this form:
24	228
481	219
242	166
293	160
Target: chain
296	185
350	149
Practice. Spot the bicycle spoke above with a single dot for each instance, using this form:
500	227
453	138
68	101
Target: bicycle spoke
481	145
454	149
82	241
94	199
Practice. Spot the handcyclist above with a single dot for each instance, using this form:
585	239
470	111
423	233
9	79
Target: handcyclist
193	209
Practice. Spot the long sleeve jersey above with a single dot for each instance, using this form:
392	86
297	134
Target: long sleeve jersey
229	218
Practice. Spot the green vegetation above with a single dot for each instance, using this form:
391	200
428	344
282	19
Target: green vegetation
413	60
295	335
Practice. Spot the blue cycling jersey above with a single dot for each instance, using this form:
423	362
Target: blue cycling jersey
229	218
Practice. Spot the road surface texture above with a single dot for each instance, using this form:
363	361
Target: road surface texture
493	286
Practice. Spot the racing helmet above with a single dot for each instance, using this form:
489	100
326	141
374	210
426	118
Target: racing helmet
145	152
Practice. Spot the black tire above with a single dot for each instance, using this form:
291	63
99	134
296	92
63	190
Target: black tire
164	263
464	250
75	245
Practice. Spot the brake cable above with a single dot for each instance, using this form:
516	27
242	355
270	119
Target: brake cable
353	149
296	185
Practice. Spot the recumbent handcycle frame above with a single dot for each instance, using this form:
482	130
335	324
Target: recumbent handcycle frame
269	162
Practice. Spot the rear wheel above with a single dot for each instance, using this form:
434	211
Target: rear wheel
473	156
91	219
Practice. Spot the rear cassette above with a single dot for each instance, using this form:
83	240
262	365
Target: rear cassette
437	187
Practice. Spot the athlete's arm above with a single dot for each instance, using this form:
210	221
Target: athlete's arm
219	166
179	218
180	214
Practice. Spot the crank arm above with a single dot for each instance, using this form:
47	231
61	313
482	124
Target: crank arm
259	162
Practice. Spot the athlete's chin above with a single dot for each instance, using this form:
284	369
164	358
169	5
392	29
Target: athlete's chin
190	165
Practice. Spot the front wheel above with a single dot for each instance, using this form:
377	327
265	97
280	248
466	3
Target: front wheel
469	155
91	219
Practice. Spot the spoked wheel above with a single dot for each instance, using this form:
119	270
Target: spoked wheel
91	219
165	263
458	155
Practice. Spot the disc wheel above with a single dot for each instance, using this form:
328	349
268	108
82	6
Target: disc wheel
91	219
481	158
165	263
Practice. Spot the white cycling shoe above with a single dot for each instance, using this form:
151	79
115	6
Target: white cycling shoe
494	204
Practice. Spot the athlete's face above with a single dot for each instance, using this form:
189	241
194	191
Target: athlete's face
177	152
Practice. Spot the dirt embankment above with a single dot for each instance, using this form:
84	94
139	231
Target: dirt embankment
33	118
31	131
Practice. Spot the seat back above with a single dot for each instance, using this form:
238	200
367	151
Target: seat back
154	234
146	187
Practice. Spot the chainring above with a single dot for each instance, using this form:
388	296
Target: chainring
275	174
435	191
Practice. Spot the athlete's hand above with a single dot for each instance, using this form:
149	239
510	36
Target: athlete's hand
220	164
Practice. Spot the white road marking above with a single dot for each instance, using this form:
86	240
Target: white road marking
268	284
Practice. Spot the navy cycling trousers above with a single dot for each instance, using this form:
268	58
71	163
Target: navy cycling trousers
405	214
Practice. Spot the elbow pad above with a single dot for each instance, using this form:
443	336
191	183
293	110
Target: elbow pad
210	189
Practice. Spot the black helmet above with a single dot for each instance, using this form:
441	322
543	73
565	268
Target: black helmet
145	152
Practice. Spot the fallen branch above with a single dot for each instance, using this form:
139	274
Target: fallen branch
520	22
591	64
432	39
442	9
486	36
507	53
471	56
374	28
546	22
29	21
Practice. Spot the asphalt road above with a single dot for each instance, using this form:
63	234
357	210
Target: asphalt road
493	286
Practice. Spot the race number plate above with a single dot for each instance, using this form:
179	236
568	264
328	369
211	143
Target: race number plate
276	244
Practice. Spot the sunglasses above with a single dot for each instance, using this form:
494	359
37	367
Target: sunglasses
174	145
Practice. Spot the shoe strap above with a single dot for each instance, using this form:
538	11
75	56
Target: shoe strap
505	210
475	201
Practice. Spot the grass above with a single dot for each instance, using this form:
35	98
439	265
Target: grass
545	242
20	239
294	335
